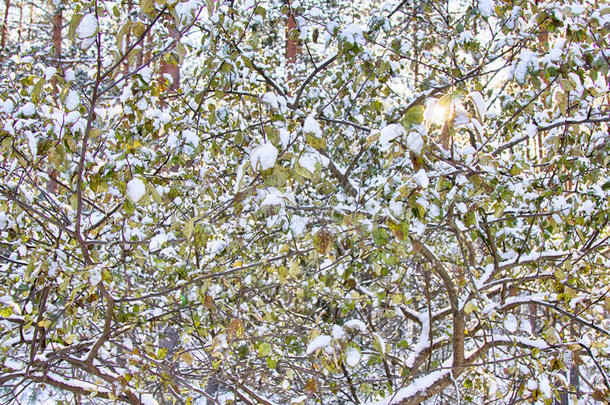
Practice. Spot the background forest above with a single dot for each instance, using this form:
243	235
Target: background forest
304	202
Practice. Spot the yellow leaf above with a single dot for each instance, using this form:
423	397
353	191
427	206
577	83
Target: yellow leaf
45	323
187	357
322	242
295	269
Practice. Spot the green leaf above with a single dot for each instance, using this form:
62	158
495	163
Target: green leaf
315	142
414	115
148	7
264	349
76	18
188	228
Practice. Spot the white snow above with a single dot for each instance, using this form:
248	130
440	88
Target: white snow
388	134
417	385
316	12
510	323
461	116
186	10
527	59
135	190
28	110
8	106
72	100
157	240
311	126
352	357
337	332
396	208
545	386
531	130
273	197
50	72
355	324
215	246
486	8
353	34
271	100
429	111
479	104
32	142
77	383
298	224
264	156
588	207
318	343
415	142
190	137
554	55
309	160
532	385
147	399
424	339
146	74
69	75
538	344
533	256
421	178
87	26
285	137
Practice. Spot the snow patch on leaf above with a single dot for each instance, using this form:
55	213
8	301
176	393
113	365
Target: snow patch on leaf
421	178
311	126
353	34
298	224
510	323
388	134
486	8
27	110
318	343
135	190
415	142
264	156
72	100
355	324
352	357
87	27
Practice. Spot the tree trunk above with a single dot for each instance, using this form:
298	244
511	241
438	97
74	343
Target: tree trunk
57	24
170	68
20	20
7	5
292	43
173	69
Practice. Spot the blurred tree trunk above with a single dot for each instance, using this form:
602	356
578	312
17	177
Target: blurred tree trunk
7	6
173	69
57	25
292	41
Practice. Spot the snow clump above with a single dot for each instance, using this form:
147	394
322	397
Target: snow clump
264	156
135	190
318	343
388	134
87	27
